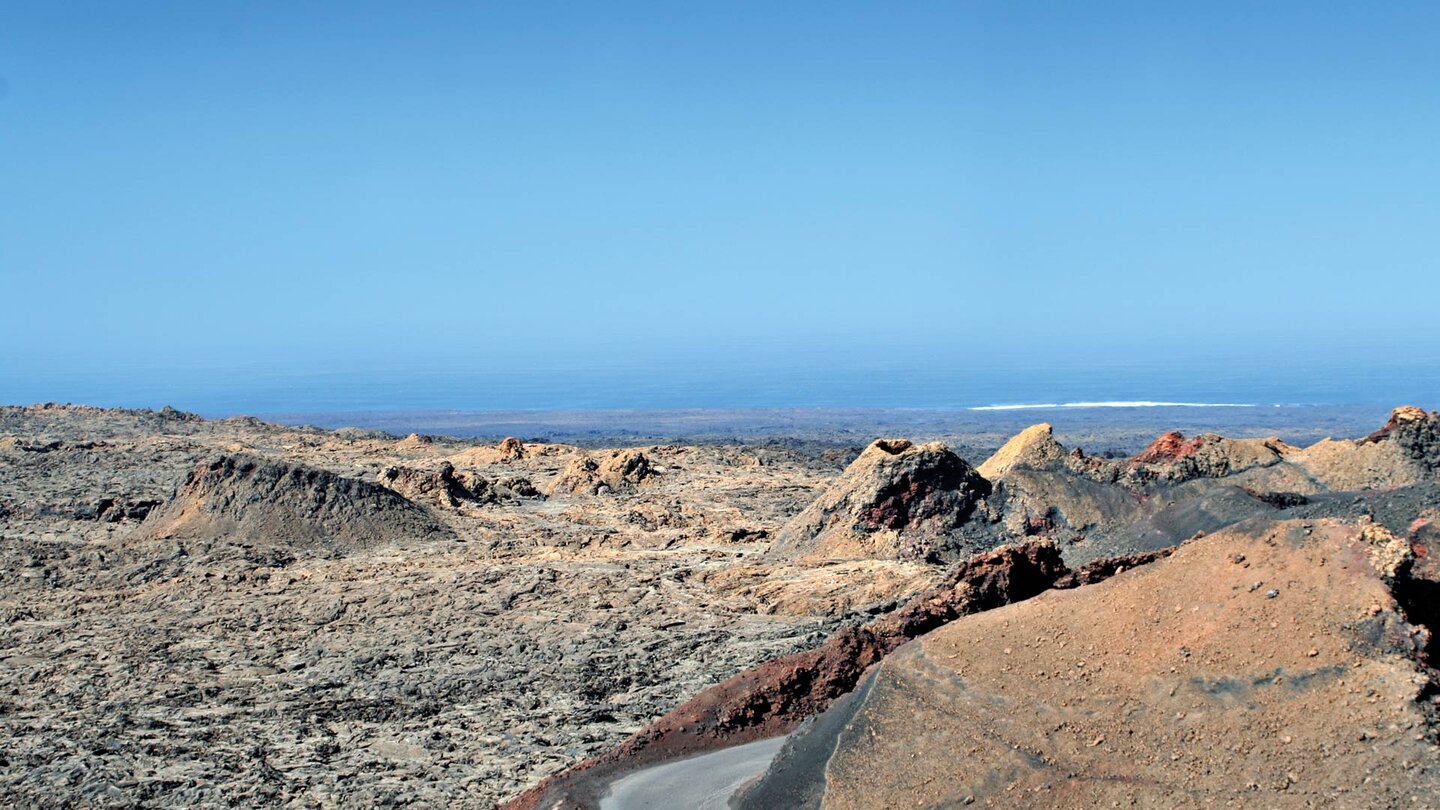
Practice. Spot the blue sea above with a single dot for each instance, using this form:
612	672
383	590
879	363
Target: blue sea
751	390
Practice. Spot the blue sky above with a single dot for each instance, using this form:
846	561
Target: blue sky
196	195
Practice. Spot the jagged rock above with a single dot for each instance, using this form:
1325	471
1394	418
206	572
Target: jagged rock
618	471
896	500
118	510
511	449
446	487
1178	684
1170	459
437	487
1423	575
190	672
237	498
1405	451
173	414
415	441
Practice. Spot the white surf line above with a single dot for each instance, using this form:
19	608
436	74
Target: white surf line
1112	404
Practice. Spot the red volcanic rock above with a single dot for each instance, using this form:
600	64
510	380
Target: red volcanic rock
1174	458
1169	447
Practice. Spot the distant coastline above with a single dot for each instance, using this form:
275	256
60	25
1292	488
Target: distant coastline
1105	427
1112	404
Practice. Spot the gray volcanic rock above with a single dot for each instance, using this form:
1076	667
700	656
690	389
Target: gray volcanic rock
896	500
619	471
1169	459
237	498
241	668
1179	486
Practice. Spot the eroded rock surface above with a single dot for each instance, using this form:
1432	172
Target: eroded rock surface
307	648
1179	486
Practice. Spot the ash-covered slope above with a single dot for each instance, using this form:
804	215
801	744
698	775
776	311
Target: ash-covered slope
239	499
896	500
1269	665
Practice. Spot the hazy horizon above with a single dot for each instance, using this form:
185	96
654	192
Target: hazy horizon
349	206
1349	375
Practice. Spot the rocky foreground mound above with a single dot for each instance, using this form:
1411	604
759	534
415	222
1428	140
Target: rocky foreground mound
896	500
776	696
1269	665
239	499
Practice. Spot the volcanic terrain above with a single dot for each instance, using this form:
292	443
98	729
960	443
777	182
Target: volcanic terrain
238	613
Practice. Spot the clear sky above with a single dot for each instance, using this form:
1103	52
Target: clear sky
198	194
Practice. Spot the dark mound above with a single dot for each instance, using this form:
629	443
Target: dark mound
247	500
896	500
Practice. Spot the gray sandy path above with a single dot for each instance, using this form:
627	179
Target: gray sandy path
705	782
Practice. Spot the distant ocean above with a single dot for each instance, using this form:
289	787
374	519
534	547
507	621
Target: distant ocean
752	392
